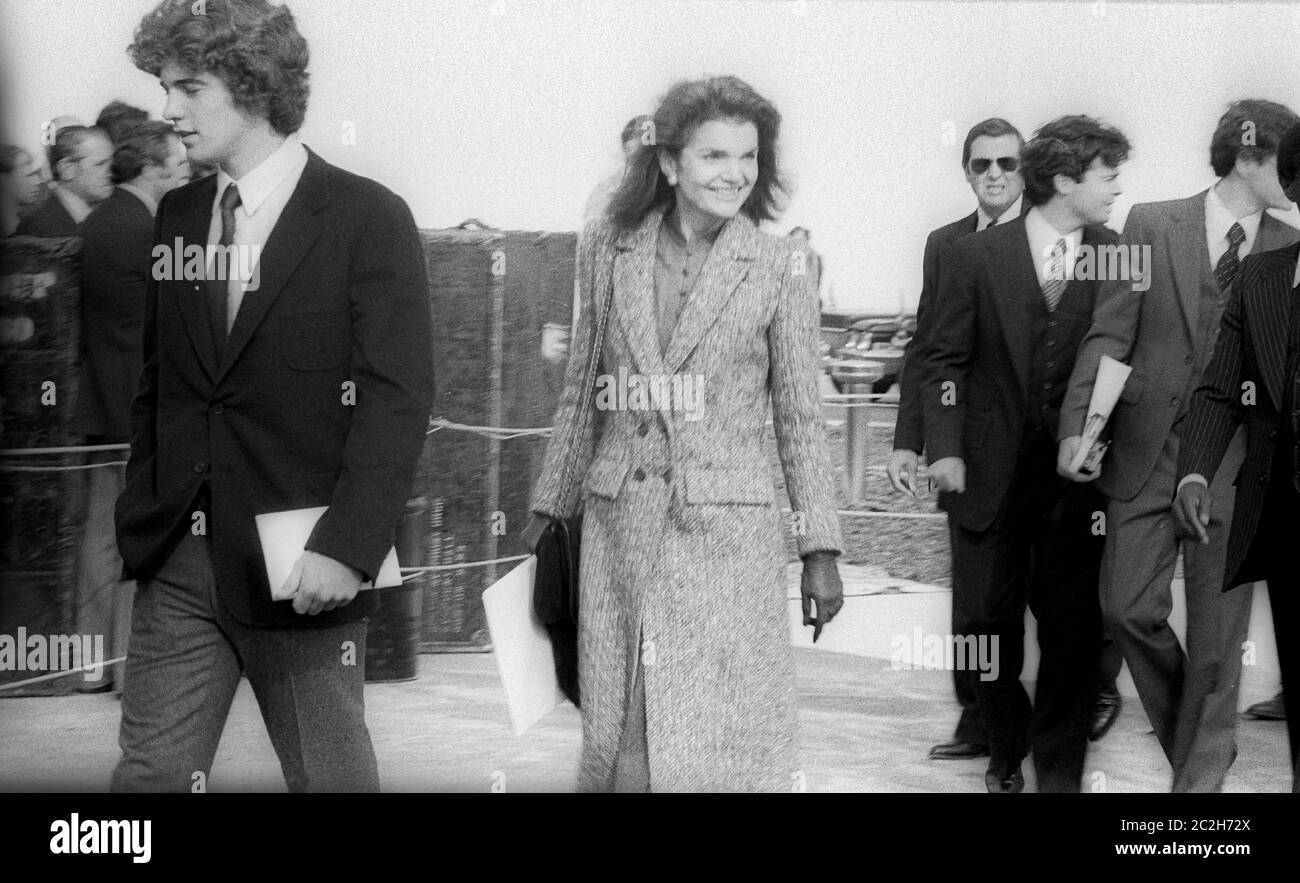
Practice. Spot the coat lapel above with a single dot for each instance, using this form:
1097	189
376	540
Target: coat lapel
194	301
1010	296
1185	239
1268	307
727	264
634	293
292	237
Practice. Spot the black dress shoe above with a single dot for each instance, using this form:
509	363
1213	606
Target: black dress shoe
958	749
1270	710
1105	711
1009	784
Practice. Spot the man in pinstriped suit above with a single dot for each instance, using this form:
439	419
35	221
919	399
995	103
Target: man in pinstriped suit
1254	378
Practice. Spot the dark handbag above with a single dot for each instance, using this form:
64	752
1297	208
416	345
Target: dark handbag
555	580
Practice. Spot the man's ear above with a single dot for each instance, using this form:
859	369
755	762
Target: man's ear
1063	184
60	168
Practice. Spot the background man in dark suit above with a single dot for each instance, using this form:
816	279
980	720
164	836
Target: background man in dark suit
1008	321
990	158
308	385
1167	333
115	262
1254	377
81	160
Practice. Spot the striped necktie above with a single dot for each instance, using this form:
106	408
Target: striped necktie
1226	269
1054	284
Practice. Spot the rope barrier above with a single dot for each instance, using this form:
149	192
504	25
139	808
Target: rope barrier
61	674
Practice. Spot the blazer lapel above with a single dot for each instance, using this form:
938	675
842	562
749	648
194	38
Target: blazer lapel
634	304
293	236
194	304
727	264
1185	239
1011	293
1269	313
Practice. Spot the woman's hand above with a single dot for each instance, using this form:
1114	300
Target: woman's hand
820	583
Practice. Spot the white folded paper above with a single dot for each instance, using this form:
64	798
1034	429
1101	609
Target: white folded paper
1111	376
522	647
284	537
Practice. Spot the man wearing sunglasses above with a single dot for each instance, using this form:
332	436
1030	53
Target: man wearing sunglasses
991	162
1167	333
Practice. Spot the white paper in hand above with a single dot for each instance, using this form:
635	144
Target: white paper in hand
1111	376
522	647
284	537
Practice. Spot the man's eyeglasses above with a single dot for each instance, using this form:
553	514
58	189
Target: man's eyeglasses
1006	163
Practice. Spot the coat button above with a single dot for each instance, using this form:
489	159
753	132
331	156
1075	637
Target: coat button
1263	478
1173	401
200	467
643	429
217	409
639	475
1050	344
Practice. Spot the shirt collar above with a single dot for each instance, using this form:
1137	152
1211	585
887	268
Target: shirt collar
1219	219
1012	212
149	202
76	206
1043	238
254	188
1295	283
672	227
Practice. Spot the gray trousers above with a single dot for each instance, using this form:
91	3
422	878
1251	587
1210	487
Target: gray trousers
184	665
1190	697
103	599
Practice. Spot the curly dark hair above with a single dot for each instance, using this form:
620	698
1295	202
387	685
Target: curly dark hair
1288	158
1067	146
688	105
253	46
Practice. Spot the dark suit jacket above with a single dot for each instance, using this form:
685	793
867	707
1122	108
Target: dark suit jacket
115	262
981	341
909	430
50	219
343	298
1252	347
1156	332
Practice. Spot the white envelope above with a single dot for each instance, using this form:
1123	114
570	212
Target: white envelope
522	647
284	536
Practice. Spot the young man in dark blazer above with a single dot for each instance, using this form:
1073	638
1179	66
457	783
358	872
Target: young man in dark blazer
307	385
1167	333
991	161
115	261
1009	315
1254	378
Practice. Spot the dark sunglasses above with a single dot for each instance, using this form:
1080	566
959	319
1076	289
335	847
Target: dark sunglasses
1007	164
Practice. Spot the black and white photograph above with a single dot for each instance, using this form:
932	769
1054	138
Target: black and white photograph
652	396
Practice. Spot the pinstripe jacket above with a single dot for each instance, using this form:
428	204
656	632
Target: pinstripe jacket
1252	349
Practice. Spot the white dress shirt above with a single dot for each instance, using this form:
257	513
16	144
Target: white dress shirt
1042	240
263	194
1219	219
983	221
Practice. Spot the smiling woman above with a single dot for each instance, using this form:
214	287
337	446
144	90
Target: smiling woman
685	670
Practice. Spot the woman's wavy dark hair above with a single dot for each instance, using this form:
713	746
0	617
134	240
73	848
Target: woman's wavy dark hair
251	45
688	105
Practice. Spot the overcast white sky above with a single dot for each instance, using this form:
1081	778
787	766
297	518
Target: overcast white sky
509	111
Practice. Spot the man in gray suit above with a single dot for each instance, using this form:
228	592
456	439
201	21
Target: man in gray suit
1166	332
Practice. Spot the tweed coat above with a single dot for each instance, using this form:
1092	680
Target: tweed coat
683	564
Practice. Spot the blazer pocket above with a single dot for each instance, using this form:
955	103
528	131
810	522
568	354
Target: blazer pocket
315	341
605	478
749	487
